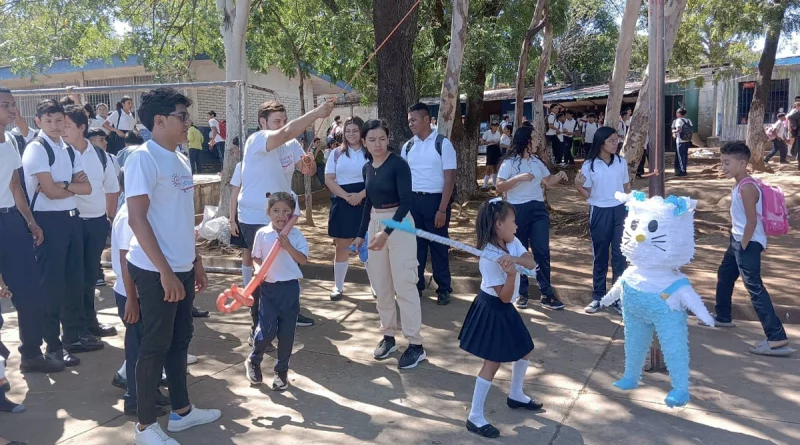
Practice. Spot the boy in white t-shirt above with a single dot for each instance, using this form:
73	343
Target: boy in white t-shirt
215	140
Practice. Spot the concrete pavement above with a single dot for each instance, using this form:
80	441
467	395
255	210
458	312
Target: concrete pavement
340	394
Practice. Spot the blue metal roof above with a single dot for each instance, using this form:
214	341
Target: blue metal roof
64	66
793	60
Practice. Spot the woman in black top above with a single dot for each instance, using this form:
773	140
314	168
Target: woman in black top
392	260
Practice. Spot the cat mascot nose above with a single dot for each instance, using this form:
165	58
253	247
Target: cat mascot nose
640	238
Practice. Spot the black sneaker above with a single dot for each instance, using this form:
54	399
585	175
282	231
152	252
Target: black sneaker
411	357
253	372
443	298
100	282
336	295
103	330
385	347
197	313
593	307
281	381
119	382
132	410
522	301
64	357
617	307
84	344
552	303
42	364
303	321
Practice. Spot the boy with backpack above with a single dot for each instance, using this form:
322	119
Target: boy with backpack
778	133
757	210
682	130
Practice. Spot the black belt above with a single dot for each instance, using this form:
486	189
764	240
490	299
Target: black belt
97	217
70	213
8	210
426	193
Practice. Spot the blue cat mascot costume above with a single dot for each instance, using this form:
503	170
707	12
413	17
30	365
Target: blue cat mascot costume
658	239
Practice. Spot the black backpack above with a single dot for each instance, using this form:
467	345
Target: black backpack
686	130
439	140
18	141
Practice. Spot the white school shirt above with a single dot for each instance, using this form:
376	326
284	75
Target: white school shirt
560	126
551	120
126	123
97	122
427	165
214	123
35	160
505	141
605	180
94	204
121	237
348	169
265	172
115	161
589	130
166	178
781	129
739	218
622	129
489	137
285	268
9	163
492	274
570	126
236	178
677	124
28	137
525	191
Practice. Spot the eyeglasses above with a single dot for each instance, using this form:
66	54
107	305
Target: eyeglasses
184	116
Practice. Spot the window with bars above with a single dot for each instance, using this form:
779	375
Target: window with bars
777	101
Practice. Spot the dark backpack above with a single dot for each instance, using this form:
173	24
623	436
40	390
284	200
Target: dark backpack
102	155
686	130
439	140
18	141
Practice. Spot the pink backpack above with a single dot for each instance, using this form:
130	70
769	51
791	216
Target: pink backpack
774	215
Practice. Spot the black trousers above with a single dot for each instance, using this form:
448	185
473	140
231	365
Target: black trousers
606	225
196	160
166	333
778	147
681	158
566	150
21	274
95	231
556	144
60	259
645	157
423	209
280	304
533	230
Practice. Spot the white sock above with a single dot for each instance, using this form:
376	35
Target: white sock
486	181
163	373
478	398
518	370
339	274
494	180
123	371
247	274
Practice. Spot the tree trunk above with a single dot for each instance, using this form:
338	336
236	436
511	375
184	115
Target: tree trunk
396	91
756	136
458	38
306	179
633	147
622	62
537	23
466	143
233	27
539	129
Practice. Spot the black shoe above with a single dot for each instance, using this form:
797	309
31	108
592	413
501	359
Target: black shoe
336	295
443	298
411	357
487	430
522	301
385	347
119	382
103	330
197	313
252	371
42	364
161	399
552	303
303	321
100	282
132	410
533	405
84	344
281	381
64	356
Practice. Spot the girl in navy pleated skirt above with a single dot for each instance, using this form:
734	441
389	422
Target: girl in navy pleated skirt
493	329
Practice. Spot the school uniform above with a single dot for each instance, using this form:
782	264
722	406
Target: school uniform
493	152
348	167
122	121
505	143
746	263
533	219
588	136
218	143
165	177
606	218
60	256
552	136
622	130
236	181
779	143
279	296
569	126
427	184
682	147
494	330
18	260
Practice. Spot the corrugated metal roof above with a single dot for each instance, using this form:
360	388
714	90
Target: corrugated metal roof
590	92
793	60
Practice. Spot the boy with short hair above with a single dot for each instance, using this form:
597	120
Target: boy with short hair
570	127
588	132
743	257
682	141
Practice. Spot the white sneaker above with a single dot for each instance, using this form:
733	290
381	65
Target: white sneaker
191	359
152	435
196	417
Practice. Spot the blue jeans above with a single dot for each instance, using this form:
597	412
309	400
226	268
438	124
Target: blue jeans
746	263
133	340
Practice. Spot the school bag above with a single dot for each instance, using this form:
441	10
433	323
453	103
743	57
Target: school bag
223	129
686	130
774	214
439	140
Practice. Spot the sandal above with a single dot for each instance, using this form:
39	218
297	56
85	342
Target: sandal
763	348
487	430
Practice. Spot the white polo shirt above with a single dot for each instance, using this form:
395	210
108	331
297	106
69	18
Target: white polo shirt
265	171
524	191
126	123
606	180
492	274
35	160
166	178
505	141
9	163
589	130
121	237
427	166
94	204
214	123
236	178
285	268
348	169
492	138
569	126
551	120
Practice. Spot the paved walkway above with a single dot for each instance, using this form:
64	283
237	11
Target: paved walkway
339	394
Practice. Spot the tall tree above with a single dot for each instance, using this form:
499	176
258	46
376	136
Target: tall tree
450	101
538	21
539	129
622	62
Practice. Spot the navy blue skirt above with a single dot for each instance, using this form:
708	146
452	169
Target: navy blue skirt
494	331
345	220
238	240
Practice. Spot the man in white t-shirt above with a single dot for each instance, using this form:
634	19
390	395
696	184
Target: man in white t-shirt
270	158
53	177
433	178
96	209
163	262
682	130
215	140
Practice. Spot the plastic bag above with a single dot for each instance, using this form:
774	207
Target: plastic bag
213	227
362	251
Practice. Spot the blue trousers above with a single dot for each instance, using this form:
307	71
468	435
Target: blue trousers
423	209
605	226
746	263
278	309
533	230
133	341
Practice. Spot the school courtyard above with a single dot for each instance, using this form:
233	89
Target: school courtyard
339	394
